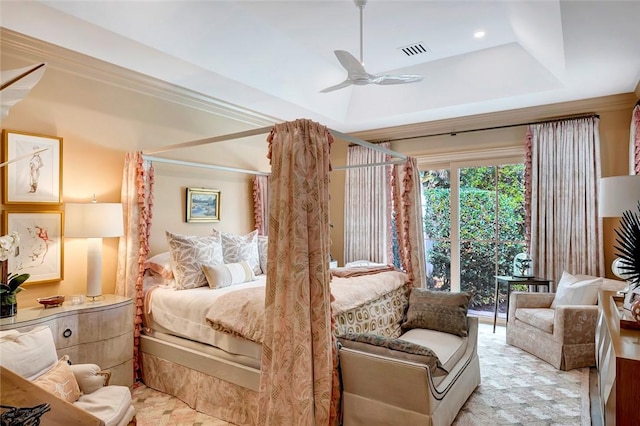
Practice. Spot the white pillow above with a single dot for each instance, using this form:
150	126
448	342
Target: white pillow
188	254
30	353
263	247
160	264
220	276
572	290
236	248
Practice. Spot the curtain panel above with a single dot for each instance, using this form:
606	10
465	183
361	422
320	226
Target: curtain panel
407	207
366	212
634	144
561	181
299	379
137	199
261	203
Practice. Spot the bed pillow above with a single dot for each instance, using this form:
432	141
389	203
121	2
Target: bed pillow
219	276
574	290
236	248
438	310
393	348
160	264
188	254
263	247
60	381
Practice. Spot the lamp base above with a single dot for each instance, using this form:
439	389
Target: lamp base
94	298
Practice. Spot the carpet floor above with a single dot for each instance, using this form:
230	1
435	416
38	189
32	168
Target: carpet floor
517	389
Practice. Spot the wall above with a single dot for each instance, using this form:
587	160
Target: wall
101	115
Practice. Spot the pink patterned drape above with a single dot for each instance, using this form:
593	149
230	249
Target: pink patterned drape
261	203
299	382
635	139
137	201
566	231
408	209
365	213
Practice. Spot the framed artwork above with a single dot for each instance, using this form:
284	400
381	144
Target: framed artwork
40	253
203	205
34	174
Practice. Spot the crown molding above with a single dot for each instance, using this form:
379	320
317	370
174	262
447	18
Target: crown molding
502	118
26	48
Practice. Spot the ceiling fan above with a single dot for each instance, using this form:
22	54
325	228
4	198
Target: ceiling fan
356	74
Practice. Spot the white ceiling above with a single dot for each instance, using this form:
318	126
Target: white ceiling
273	57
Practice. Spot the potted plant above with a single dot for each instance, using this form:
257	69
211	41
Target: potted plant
11	283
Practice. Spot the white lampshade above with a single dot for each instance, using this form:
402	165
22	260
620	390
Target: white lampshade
93	220
618	194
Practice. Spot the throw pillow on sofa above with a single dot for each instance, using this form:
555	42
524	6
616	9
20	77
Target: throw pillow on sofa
574	290
393	348
438	310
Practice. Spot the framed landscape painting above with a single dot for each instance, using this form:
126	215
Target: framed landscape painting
34	170
203	205
40	252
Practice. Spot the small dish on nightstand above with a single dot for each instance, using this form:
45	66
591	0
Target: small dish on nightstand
52	301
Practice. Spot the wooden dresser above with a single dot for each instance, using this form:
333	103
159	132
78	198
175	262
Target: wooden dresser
99	332
618	361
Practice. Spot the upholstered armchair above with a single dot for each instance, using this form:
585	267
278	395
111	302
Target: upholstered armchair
32	355
558	330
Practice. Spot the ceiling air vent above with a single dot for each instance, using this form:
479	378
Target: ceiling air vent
414	49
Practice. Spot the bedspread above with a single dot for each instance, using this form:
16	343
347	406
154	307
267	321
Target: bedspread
241	312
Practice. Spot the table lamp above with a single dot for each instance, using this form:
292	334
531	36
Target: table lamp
618	194
93	221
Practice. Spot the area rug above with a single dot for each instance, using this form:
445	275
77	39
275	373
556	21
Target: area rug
519	389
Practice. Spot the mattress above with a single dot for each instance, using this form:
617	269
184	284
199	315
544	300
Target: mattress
364	304
181	313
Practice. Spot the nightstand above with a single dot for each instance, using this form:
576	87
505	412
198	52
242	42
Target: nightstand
99	332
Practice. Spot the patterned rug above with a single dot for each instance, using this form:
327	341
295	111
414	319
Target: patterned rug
517	389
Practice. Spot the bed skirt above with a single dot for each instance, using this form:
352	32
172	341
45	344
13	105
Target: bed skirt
214	386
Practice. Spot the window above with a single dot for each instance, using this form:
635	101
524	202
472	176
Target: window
472	239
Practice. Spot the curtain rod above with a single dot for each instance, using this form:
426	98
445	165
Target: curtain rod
204	165
263	130
455	132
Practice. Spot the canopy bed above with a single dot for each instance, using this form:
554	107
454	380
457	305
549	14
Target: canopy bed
251	380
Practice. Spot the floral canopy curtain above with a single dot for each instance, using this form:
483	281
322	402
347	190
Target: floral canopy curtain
367	209
137	201
407	207
634	143
561	188
298	383
261	203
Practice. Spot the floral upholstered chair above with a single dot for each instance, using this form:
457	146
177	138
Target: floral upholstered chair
560	327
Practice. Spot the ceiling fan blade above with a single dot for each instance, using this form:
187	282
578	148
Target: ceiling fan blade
345	83
349	62
396	79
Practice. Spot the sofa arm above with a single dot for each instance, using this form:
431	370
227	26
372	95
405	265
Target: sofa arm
521	299
89	377
575	324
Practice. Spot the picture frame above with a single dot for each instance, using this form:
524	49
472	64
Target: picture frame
34	172
203	205
41	249
631	296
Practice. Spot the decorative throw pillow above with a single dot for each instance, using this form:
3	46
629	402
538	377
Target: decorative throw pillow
60	381
438	310
263	247
236	248
219	276
574	290
160	264
393	348
30	353
188	254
